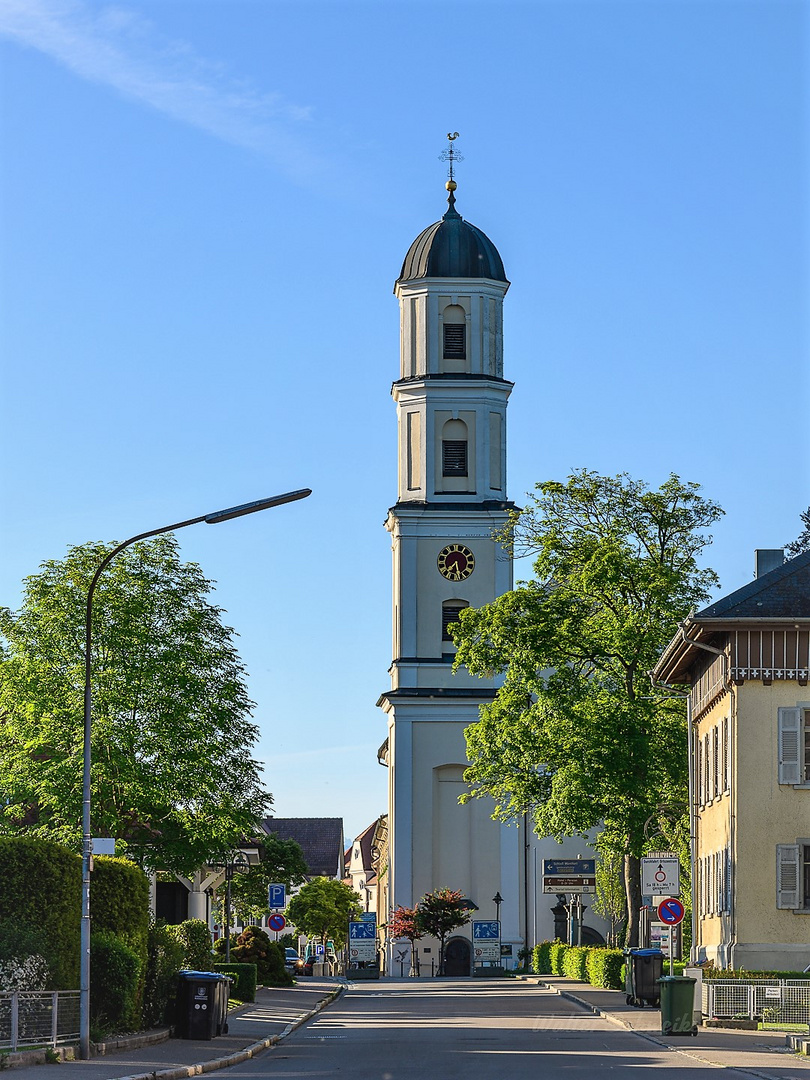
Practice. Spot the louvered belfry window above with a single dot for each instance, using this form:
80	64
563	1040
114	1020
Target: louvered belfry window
450	610
455	341
454	457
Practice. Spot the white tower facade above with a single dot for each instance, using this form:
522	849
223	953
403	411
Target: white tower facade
451	399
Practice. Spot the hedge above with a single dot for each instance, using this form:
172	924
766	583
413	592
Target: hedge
573	962
603	967
244	976
40	883
541	958
710	972
116	971
164	958
557	956
194	939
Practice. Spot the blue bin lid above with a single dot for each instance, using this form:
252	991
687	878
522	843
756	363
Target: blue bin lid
214	976
646	952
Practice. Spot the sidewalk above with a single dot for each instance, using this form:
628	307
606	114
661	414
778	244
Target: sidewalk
251	1029
757	1053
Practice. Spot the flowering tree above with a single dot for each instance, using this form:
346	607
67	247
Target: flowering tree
404	923
439	913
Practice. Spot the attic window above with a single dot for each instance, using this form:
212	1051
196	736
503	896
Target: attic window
455	341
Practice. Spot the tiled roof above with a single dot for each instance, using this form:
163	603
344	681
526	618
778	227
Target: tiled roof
784	593
320	839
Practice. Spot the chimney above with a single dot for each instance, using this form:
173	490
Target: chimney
767	559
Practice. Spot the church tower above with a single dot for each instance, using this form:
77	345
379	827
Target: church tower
451	400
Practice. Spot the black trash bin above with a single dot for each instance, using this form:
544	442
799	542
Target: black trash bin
202	1004
643	969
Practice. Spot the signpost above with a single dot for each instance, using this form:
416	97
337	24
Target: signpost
276	922
671	912
276	896
569	875
487	942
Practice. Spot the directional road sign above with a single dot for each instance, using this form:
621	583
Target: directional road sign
276	896
670	912
276	922
569	875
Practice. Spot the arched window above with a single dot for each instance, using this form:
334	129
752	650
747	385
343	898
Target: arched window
454	345
454	448
450	610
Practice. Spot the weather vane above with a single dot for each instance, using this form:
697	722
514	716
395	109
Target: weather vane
452	155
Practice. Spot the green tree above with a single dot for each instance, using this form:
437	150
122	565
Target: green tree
172	773
281	861
441	912
802	541
577	735
323	908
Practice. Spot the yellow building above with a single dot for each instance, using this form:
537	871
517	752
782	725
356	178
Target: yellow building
745	660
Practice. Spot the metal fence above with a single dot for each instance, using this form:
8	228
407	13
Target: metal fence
775	1001
36	1018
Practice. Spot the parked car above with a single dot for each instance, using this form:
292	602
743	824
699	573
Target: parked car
290	959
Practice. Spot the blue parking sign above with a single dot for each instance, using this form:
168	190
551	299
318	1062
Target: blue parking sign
276	896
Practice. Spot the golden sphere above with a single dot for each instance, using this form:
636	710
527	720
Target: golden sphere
451	185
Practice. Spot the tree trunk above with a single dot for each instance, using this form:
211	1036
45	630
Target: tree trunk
632	890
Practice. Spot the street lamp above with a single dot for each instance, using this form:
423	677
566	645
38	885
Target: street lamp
234	862
87	842
497	900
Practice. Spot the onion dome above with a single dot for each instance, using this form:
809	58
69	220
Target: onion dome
452	248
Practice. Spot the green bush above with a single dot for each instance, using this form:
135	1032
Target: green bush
541	958
195	940
557	956
573	962
253	946
114	985
244	979
41	882
119	901
710	972
604	968
164	958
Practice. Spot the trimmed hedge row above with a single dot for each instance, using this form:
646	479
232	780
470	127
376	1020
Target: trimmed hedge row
244	979
595	964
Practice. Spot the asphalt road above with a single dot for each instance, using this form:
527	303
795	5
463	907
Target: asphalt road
454	1030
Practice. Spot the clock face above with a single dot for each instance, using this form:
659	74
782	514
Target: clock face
456	562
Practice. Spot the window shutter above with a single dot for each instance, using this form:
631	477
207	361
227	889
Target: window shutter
726	753
455	342
787	875
790	730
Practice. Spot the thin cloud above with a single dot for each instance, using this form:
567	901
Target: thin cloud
116	47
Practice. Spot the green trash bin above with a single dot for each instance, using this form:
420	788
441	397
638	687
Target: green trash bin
677	1005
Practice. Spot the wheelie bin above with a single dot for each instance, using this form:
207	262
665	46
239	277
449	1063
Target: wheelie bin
202	1004
643	969
677	1005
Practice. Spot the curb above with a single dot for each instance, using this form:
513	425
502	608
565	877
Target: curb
241	1055
650	1038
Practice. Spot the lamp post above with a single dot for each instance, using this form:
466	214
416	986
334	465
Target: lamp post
235	862
497	900
87	843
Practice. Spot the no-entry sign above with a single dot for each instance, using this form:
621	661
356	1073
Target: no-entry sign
670	912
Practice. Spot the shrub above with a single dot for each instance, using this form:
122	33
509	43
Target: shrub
604	968
194	938
541	958
120	905
164	958
710	972
253	946
573	962
556	957
40	882
244	979
114	986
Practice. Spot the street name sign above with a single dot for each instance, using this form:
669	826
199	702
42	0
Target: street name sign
661	876
569	875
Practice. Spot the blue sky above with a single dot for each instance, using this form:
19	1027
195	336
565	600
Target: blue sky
205	205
